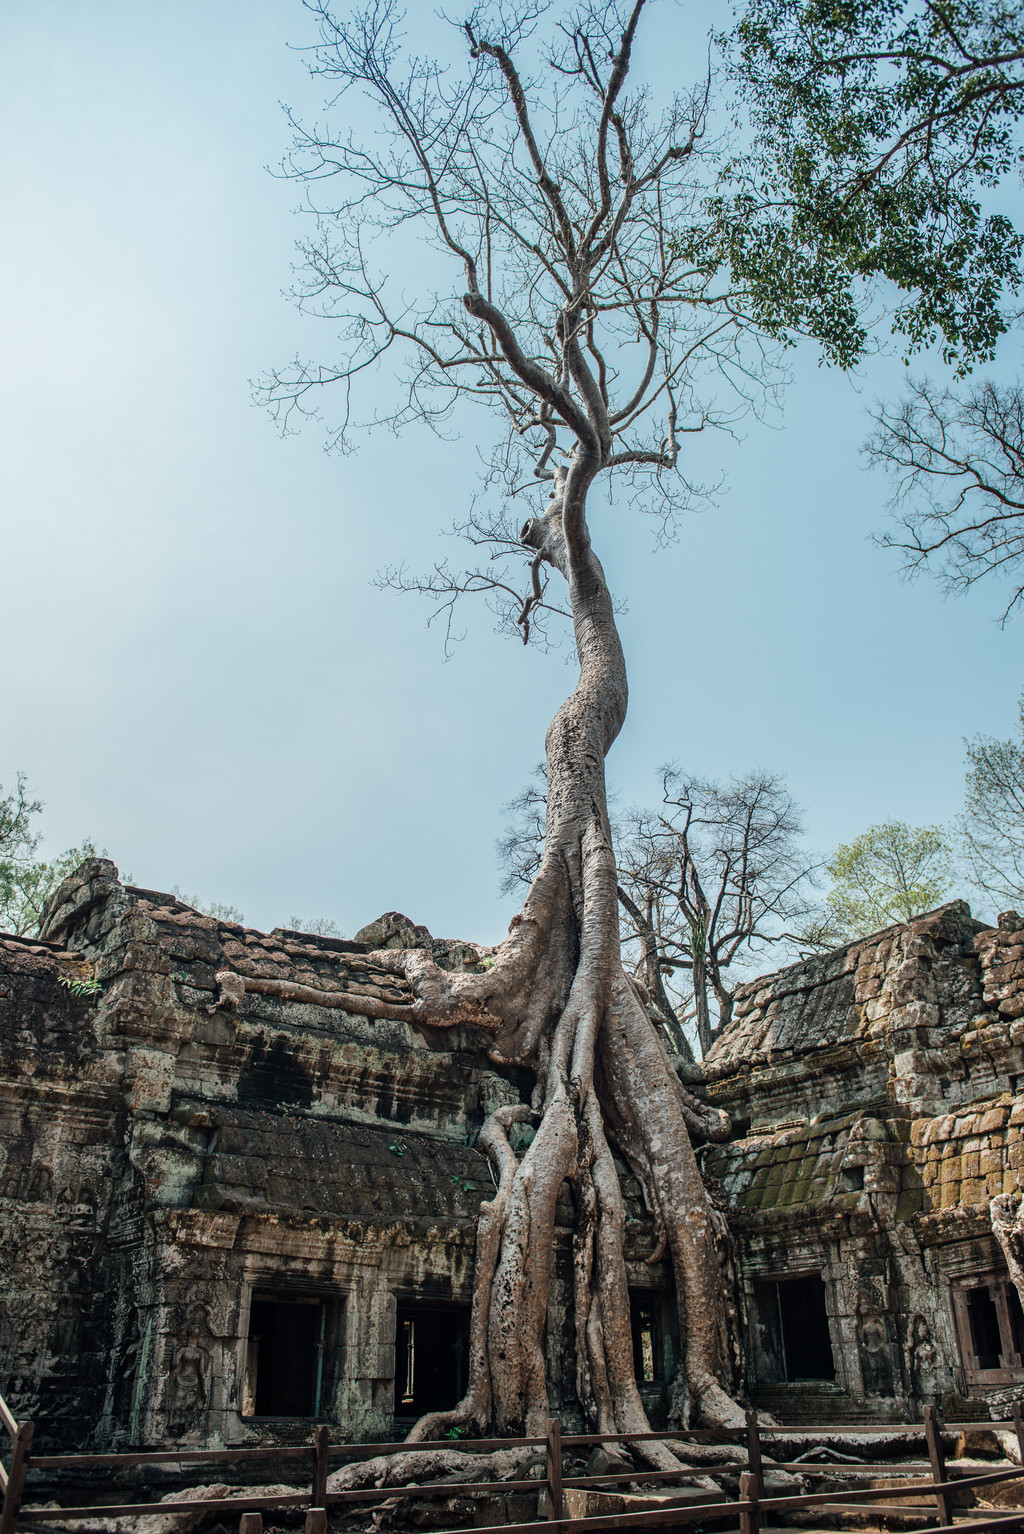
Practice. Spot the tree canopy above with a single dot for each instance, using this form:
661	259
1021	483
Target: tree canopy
891	873
26	879
879	131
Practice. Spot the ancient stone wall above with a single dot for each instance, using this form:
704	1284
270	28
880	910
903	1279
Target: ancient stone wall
200	1144
874	1093
177	1154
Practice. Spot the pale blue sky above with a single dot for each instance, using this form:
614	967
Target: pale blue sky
197	670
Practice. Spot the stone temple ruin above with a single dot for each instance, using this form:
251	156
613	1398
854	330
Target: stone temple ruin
231	1207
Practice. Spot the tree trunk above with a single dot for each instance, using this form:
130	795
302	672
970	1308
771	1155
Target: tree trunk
700	991
557	999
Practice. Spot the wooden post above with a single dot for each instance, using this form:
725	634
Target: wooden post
319	1467
316	1520
16	1477
750	1520
943	1500
250	1523
754	1451
554	1451
1018	1422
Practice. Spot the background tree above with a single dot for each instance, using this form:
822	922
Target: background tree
992	827
26	879
957	459
599	315
710	880
891	873
879	130
716	873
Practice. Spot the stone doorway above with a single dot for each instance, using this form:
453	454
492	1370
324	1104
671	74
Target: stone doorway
431	1358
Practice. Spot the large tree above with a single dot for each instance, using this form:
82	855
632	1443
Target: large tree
586	313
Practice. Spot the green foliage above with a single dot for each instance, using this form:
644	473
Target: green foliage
26	881
891	873
879	127
992	825
84	989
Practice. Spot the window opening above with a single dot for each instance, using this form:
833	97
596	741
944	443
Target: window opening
431	1358
791	1333
284	1375
1016	1317
646	1329
990	1327
984	1322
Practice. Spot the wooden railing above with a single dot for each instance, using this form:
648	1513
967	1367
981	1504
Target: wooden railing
746	1512
12	1480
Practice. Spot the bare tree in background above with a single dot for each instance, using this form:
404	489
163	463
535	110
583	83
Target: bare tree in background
716	875
992	825
705	883
957	460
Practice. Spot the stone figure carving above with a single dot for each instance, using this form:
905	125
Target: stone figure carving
873	1337
187	1381
924	1362
36	1184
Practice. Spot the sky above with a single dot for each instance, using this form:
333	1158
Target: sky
197	669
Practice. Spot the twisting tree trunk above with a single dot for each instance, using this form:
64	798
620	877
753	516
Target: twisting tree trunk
601	1068
565	238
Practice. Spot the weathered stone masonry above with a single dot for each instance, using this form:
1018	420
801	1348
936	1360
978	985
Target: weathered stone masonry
171	1170
875	1093
223	1213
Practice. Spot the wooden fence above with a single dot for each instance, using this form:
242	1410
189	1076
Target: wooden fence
747	1512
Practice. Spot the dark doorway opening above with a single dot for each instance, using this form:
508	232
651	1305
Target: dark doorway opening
285	1357
645	1325
431	1358
791	1335
984	1321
